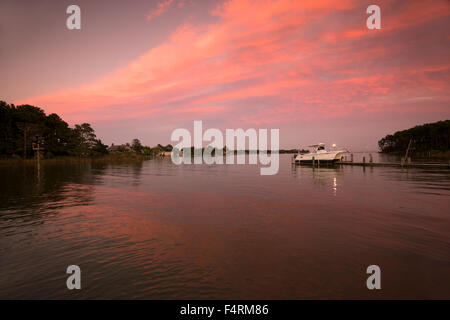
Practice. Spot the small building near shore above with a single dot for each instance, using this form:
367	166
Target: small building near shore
120	148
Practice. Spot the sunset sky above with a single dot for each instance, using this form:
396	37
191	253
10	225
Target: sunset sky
142	68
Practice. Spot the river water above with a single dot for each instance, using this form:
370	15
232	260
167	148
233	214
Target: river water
153	230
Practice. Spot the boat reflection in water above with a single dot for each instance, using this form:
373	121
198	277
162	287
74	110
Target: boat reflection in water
326	178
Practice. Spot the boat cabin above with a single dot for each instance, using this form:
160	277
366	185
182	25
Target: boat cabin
318	147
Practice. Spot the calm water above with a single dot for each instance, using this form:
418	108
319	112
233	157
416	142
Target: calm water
155	230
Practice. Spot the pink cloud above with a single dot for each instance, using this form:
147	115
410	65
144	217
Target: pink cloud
161	7
272	62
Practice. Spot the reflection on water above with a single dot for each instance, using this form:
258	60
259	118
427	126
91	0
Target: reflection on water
155	230
327	177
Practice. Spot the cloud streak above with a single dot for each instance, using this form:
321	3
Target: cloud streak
161	7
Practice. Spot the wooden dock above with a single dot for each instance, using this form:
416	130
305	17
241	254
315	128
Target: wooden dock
396	164
401	164
405	162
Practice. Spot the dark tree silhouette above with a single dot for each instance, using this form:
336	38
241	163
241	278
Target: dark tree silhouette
21	126
424	138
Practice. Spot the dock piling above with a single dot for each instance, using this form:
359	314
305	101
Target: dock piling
401	164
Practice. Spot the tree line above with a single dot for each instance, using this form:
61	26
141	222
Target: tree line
24	128
424	138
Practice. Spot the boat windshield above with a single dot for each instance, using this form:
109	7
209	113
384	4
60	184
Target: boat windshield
321	148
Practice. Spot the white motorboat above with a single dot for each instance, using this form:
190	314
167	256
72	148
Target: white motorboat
320	155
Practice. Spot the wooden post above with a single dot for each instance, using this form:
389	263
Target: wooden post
351	157
25	143
38	148
313	161
407	149
364	160
409	160
318	163
402	161
370	158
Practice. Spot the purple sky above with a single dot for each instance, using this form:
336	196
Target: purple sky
140	69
